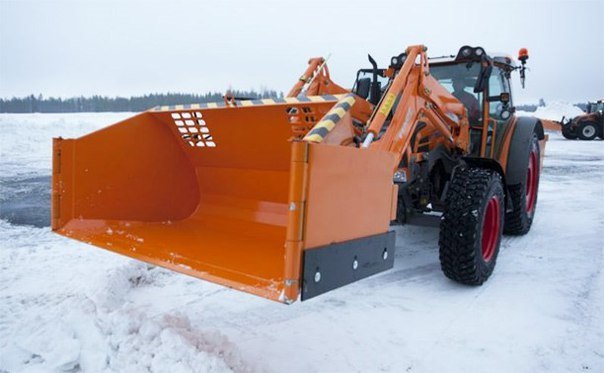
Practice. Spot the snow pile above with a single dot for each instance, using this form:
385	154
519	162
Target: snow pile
79	336
84	319
558	109
555	111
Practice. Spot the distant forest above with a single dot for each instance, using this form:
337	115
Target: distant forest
40	104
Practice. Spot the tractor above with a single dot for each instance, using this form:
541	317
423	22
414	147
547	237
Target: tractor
587	126
292	197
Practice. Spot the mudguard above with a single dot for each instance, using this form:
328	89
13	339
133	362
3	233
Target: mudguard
519	148
490	164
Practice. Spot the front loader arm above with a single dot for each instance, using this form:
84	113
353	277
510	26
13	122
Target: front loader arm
421	99
313	65
316	81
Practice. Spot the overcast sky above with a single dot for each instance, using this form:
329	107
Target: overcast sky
68	48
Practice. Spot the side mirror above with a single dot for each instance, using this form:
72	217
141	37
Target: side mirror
506	113
363	86
504	97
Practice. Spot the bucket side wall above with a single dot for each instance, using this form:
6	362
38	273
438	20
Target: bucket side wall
132	170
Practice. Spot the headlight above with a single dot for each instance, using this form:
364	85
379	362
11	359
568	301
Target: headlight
400	176
479	52
466	52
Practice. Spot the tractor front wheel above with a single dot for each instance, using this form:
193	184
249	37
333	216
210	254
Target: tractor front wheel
568	134
471	226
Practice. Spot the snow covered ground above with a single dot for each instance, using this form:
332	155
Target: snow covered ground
67	306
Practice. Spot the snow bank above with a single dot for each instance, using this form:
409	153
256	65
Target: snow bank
555	111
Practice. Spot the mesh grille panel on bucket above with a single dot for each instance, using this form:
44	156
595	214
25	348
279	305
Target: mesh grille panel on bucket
193	129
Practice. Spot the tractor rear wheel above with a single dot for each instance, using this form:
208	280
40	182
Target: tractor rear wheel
523	196
471	226
587	131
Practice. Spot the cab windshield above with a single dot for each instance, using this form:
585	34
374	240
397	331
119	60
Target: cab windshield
460	80
464	74
596	107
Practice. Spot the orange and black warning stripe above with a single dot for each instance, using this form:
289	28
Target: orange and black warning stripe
329	121
248	103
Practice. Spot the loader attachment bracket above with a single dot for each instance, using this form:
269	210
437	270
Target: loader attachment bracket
333	266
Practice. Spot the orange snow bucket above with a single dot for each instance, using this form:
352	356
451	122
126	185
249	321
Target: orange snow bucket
221	193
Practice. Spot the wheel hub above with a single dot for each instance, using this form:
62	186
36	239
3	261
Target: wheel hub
531	182
588	131
491	228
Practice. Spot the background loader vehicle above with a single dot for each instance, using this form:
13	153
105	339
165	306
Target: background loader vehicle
294	197
587	126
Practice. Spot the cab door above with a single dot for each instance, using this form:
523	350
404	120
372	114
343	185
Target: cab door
499	114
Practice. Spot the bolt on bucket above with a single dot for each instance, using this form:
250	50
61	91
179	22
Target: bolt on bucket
221	192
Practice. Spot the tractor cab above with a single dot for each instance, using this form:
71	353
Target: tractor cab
479	81
595	107
483	84
487	79
470	76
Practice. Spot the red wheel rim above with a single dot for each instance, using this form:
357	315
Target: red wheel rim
490	228
531	182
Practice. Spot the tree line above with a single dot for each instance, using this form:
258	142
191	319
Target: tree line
40	104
